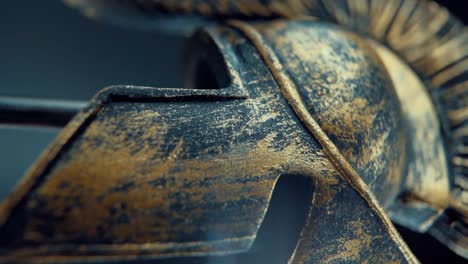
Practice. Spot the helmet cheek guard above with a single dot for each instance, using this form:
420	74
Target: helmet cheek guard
344	100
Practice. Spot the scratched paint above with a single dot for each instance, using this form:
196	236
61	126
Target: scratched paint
226	148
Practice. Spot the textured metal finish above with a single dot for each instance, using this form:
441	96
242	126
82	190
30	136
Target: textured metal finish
150	172
190	172
426	187
312	242
431	42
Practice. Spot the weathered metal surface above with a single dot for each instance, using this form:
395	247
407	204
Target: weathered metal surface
334	71
429	40
150	172
180	172
426	188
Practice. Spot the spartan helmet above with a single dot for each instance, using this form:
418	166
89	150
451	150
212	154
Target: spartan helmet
367	100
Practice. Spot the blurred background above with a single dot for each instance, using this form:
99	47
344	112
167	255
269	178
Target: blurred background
48	50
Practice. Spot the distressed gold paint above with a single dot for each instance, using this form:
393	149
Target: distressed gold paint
419	45
351	247
95	171
46	157
425	124
130	251
346	171
338	116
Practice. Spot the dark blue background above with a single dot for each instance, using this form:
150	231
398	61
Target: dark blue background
50	51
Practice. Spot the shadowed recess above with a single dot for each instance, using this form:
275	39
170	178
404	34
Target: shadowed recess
278	234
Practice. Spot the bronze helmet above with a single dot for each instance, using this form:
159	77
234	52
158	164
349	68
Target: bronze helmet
366	99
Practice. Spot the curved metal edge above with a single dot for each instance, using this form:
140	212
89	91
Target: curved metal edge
346	170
